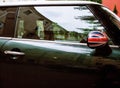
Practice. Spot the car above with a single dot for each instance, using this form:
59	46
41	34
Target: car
54	43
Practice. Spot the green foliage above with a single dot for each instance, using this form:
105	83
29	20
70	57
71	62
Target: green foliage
115	10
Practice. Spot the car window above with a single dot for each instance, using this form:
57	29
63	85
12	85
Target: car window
7	21
58	23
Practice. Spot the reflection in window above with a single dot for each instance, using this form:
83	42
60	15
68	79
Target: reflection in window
3	13
7	21
69	23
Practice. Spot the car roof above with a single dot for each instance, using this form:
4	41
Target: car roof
46	3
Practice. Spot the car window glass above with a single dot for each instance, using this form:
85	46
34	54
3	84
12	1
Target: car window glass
64	23
3	14
7	21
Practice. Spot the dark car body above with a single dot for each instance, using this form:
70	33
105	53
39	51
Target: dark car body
52	60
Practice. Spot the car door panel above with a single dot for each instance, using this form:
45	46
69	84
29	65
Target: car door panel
49	61
3	41
51	53
27	61
58	54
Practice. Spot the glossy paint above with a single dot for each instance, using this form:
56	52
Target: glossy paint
29	63
46	53
50	53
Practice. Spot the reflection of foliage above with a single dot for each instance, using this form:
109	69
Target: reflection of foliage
86	30
74	36
59	32
87	18
80	8
90	20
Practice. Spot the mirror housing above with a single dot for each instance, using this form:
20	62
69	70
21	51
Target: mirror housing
97	39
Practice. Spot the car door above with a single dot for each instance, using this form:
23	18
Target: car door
7	26
53	40
60	39
36	24
48	37
32	63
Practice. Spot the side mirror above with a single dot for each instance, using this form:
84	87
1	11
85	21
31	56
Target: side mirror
96	39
